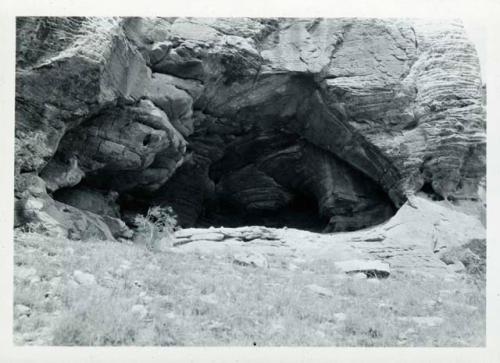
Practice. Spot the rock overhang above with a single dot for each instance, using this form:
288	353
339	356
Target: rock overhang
352	94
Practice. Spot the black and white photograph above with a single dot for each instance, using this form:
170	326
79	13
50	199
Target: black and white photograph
249	182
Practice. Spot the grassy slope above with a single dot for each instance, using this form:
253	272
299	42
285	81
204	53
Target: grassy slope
195	299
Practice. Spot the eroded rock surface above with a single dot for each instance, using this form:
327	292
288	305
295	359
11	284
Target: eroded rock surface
424	237
322	124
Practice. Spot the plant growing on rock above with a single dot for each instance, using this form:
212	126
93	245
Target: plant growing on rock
34	227
155	229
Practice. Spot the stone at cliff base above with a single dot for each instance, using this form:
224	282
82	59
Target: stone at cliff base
369	268
251	259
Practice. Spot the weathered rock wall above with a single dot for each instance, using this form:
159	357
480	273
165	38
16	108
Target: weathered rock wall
355	114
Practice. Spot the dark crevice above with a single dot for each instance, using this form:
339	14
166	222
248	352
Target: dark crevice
301	213
428	189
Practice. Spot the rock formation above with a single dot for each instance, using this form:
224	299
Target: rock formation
324	124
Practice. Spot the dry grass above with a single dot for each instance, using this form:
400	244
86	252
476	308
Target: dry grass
195	299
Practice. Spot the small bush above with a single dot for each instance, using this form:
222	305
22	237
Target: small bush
34	227
156	228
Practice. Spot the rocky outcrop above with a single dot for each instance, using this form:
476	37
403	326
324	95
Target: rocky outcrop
425	237
325	124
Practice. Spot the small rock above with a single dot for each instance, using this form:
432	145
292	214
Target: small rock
215	326
320	290
152	267
55	282
209	299
277	327
429	302
34	279
457	267
28	337
410	331
250	259
429	321
183	233
25	273
340	317
170	315
448	292
124	266
139	310
371	268
374	238
84	278
21	310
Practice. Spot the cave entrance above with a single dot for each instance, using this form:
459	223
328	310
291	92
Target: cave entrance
301	213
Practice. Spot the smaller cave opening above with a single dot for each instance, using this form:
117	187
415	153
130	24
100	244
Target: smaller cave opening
147	140
428	189
300	213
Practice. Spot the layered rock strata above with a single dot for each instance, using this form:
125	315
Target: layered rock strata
325	124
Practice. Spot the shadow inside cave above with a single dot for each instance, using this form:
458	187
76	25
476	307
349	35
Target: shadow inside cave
300	213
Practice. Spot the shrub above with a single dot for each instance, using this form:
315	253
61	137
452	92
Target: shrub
34	227
155	229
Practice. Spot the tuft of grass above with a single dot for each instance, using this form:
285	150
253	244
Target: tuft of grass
155	229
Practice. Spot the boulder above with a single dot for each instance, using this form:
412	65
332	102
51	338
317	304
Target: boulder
173	100
60	220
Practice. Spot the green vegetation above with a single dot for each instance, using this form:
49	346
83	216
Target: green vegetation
142	297
156	228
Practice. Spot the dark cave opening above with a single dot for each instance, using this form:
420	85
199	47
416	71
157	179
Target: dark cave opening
301	213
428	189
267	175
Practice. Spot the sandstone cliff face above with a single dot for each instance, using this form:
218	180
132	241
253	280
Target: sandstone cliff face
235	121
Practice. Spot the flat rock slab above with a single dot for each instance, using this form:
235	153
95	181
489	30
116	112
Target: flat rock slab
404	243
371	268
209	236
